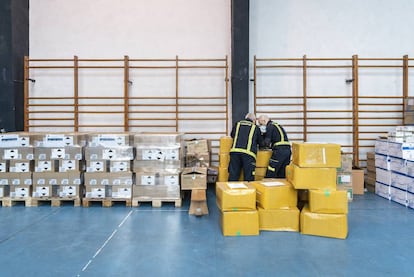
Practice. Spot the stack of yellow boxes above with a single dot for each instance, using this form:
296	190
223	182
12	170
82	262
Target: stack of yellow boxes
276	202
224	158
314	168
237	204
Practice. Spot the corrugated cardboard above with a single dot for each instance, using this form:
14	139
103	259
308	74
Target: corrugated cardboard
14	140
4	191
201	159
194	178
108	179
275	194
325	225
20	192
346	163
57	178
96	191
17	153
69	165
157	191
328	201
42	191
96	166
21	166
67	191
44	166
241	223
156	178
197	146
119	153
311	178
108	139
358	181
279	219
124	192
119	166
316	154
161	139
17	178
235	196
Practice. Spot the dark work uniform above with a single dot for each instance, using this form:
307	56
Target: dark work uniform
246	137
277	139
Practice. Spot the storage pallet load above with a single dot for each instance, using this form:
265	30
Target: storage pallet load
108	177
314	168
394	163
16	164
157	165
194	175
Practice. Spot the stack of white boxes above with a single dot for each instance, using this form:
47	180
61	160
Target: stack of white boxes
158	162
394	162
108	173
16	163
57	168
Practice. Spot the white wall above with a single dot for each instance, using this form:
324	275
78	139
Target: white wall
137	28
331	29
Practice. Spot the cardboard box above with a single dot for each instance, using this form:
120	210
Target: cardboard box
275	194
20	166
346	163
108	139
42	191
197	159
224	160
96	191
62	153
235	196
194	178
14	140
279	219
263	157
18	178
349	191
344	178
108	179
56	178
260	173
4	191
161	139
55	140
157	191
119	153
316	154
325	225
96	166
358	181
328	201
69	165
409	118
119	166
226	143
20	192
67	191
44	166
223	175
4	167
212	174
311	178
17	153
241	223
197	146
121	192
156	178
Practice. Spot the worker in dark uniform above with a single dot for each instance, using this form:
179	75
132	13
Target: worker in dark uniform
276	139
246	137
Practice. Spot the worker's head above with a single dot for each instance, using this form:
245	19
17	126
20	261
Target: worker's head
251	116
263	119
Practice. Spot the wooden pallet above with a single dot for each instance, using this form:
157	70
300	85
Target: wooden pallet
156	202
106	202
56	201
9	202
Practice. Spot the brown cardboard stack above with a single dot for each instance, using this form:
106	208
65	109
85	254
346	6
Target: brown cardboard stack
277	205
371	175
16	164
314	167
58	162
224	158
108	173
158	162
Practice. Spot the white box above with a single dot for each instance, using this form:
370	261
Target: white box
383	176
383	190
43	166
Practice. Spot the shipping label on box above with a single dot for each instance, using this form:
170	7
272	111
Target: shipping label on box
20	166
42	191
68	165
68	191
171	180
147	180
344	178
119	166
44	166
20	192
95	192
18	153
3	167
14	140
109	140
95	166
194	178
58	140
121	192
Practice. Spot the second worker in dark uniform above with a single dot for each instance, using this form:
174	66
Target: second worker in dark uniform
276	138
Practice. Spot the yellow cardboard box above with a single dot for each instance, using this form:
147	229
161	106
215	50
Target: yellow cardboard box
235	196
328	201
263	157
224	159
260	173
225	144
325	225
241	223
275	194
311	178
223	175
279	219
316	154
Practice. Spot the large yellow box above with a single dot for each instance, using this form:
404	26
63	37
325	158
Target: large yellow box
242	223
316	154
275	194
259	173
328	201
279	219
226	143
311	178
263	157
235	196
325	225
